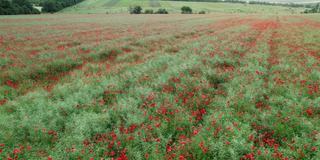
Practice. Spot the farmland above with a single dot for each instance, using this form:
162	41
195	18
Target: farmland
121	6
214	86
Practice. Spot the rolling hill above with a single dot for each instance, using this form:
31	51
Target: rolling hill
121	6
290	1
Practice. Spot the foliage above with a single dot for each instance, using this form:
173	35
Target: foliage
186	10
117	6
17	7
51	6
161	11
148	11
314	9
202	12
135	9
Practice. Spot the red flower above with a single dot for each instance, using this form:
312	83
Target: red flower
158	125
2	102
123	156
169	149
227	143
259	152
51	132
11	84
102	101
313	149
16	150
302	82
50	158
181	157
309	111
250	156
195	132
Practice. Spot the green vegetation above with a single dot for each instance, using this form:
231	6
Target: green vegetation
214	86
162	11
52	6
186	10
8	7
314	9
219	86
202	12
135	10
121	6
148	11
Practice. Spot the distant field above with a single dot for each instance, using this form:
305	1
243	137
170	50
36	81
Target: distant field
214	86
290	1
121	6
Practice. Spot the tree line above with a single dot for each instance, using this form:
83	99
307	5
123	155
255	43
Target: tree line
52	6
138	10
314	9
17	7
13	7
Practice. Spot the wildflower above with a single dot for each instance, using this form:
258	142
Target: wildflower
158	125
2	102
51	132
309	111
195	132
102	101
169	149
123	156
16	150
11	84
181	157
250	156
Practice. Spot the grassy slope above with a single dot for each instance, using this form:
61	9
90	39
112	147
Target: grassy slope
121	6
290	1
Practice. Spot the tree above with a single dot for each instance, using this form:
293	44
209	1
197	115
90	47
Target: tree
186	10
162	11
16	7
5	7
135	10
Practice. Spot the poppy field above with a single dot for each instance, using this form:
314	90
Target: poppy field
187	87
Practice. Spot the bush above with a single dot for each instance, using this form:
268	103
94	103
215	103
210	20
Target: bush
135	10
148	11
162	11
202	12
186	10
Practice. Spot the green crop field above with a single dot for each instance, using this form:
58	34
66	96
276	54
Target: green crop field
121	6
218	86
